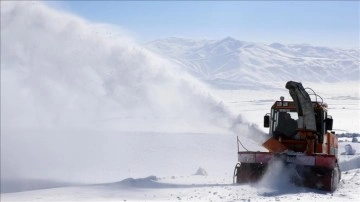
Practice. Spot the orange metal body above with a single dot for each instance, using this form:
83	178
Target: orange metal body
300	139
308	141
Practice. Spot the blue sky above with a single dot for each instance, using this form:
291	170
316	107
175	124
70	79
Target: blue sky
324	23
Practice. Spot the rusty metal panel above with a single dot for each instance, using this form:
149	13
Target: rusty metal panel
273	145
325	161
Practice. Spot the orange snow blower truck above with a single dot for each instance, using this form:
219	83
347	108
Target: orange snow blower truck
301	138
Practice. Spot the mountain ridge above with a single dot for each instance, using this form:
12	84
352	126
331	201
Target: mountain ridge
240	63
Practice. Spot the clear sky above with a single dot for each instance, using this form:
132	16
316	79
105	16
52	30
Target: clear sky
324	23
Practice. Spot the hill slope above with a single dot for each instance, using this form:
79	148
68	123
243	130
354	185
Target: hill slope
233	63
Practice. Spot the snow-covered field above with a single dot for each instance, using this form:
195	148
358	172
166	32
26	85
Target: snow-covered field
190	188
89	115
175	181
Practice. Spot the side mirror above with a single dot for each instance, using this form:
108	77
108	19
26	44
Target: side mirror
266	121
329	123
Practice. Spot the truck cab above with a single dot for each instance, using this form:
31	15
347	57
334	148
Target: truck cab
284	123
281	109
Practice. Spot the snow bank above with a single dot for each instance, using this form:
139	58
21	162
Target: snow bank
353	163
147	182
201	171
349	161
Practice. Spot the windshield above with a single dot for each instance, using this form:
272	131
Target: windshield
284	123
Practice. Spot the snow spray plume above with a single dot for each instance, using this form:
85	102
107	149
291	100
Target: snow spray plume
61	71
278	178
248	132
62	77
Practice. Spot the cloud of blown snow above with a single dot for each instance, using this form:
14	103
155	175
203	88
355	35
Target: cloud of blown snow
59	70
61	74
277	179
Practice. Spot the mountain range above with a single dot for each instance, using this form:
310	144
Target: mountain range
231	63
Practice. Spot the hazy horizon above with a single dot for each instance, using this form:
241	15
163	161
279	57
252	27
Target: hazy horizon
320	23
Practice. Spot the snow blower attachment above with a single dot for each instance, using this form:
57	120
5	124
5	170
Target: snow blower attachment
306	144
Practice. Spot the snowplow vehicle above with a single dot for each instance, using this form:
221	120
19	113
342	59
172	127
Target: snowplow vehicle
301	138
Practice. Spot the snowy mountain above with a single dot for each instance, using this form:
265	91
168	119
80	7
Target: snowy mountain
233	63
